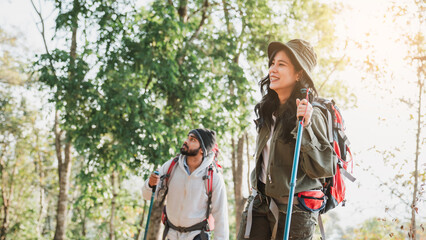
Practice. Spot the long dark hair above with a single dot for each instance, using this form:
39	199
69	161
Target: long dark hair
270	101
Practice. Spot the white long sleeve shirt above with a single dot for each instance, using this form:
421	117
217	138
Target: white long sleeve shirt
187	199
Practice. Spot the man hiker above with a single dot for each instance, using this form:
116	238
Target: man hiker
196	195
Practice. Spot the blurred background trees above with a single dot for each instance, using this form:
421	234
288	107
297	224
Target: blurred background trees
83	123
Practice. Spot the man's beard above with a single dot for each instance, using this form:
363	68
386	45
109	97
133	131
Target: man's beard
188	152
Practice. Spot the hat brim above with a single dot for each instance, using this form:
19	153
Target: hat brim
274	46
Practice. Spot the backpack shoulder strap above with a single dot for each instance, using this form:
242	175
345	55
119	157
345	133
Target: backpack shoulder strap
164	182
209	187
167	176
324	105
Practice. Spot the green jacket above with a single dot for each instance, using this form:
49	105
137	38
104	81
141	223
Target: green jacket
317	157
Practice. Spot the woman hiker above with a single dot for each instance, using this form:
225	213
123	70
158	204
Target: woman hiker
290	70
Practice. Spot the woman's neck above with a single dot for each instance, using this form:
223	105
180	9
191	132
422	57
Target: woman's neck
283	96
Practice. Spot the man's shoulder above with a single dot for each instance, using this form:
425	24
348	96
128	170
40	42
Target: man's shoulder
165	167
217	175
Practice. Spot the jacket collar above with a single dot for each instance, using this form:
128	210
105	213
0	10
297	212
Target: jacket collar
207	160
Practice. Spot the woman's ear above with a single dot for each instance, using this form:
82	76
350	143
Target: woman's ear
299	75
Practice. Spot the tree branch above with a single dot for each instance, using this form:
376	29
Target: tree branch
201	8
58	134
226	14
203	18
183	10
42	32
394	192
243	26
197	32
334	68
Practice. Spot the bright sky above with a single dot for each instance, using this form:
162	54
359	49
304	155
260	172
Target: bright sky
18	17
380	120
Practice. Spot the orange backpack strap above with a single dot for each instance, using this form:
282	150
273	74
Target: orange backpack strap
164	179
166	176
209	187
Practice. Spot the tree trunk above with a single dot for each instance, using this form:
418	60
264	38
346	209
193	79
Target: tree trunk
248	163
237	161
42	211
6	195
113	203
140	227
414	207
64	168
237	176
183	10
38	163
5	222
47	225
83	224
238	184
155	226
62	209
5	213
5	201
234	161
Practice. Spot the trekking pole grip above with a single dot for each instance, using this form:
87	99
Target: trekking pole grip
155	186
308	97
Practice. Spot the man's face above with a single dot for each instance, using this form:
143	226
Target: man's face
191	146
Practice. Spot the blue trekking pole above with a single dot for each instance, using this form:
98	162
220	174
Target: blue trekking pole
150	207
294	173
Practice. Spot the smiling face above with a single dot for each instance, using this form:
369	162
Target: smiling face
282	74
191	146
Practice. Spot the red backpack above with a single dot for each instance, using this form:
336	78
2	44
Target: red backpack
334	187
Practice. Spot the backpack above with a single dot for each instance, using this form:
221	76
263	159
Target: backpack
334	187
208	223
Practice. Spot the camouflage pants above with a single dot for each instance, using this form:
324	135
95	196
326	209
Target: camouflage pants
302	222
